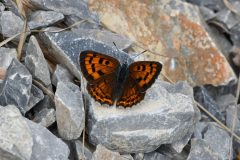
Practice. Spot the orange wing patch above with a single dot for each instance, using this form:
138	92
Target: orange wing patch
145	73
96	65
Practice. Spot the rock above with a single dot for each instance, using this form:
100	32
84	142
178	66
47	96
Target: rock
105	37
6	56
204	97
201	150
70	114
224	101
8	18
36	63
72	19
61	74
2	8
16	88
170	153
46	145
66	46
138	156
15	136
207	13
163	117
103	153
39	19
227	17
173	29
70	7
44	112
155	156
230	113
215	138
215	5
79	151
36	95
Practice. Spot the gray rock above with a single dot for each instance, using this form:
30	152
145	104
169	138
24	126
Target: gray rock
215	138
44	112
41	19
155	156
6	56
105	37
73	19
87	155
163	117
36	95
36	63
61	74
207	13
103	153
66	46
8	19
16	88
230	113
215	5
70	7
70	114
201	150
46	145
2	7
219	140
138	156
224	101
15	136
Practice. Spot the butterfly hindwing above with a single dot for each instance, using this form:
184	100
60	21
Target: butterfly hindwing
140	77
95	66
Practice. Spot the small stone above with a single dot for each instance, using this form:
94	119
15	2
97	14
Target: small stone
41	19
15	136
2	7
105	37
6	56
207	13
36	63
70	7
103	153
36	95
10	24
224	101
215	5
70	114
201	150
230	113
79	151
155	156
44	112
16	88
163	117
61	74
138	156
46	145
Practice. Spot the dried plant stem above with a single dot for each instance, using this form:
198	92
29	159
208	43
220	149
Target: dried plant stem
44	89
231	7
22	40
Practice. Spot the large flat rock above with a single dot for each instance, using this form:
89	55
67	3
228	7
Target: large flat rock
164	116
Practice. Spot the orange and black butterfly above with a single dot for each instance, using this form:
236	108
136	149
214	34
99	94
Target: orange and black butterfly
108	81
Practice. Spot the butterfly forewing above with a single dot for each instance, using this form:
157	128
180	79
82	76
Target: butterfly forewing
100	72
141	76
95	66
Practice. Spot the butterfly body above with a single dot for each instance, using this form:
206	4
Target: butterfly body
110	82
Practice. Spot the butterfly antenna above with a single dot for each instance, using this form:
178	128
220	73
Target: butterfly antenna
140	54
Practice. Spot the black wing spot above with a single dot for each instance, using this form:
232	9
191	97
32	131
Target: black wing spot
107	62
90	60
100	73
138	68
145	78
101	61
93	67
139	79
143	67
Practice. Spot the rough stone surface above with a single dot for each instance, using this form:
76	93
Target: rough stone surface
44	112
105	37
231	111
46	145
40	19
66	46
155	156
6	56
36	63
61	74
36	95
8	18
201	150
70	7
70	114
170	28
164	116
103	153
16	88
2	7
15	137
79	150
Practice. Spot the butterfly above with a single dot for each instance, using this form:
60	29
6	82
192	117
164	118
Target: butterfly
109	82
